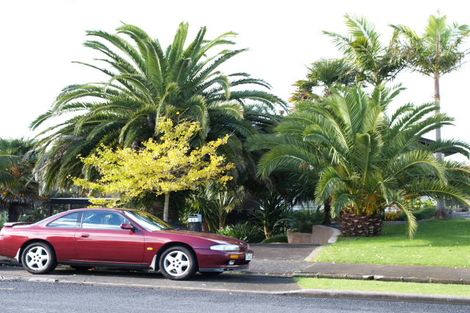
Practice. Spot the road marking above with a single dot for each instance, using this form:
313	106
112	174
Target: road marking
7	289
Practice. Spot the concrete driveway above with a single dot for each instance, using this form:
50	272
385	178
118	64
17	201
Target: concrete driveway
280	259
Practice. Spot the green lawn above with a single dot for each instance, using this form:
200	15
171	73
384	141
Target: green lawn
381	286
437	243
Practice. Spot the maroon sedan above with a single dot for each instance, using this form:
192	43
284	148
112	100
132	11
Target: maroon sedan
121	238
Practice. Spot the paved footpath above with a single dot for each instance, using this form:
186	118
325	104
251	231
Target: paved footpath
385	272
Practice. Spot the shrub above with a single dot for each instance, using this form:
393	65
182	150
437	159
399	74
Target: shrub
425	213
245	231
215	203
276	239
303	220
271	213
34	215
3	218
422	209
393	214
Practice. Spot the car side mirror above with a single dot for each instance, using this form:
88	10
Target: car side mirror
128	227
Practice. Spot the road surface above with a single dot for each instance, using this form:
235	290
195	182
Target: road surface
19	297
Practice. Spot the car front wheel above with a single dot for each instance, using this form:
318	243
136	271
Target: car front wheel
38	258
178	263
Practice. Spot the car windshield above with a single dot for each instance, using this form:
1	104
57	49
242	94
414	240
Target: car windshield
148	221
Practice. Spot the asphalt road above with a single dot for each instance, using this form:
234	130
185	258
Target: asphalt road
18	297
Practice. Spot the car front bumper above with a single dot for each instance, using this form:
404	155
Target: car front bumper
221	261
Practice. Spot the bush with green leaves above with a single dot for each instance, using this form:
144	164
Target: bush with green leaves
422	209
271	213
3	218
303	220
282	238
34	215
215	203
246	231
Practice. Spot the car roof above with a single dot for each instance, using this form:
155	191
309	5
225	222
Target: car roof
100	209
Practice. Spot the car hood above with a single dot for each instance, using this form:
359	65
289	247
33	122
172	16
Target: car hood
209	236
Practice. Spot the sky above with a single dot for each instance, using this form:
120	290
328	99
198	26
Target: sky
40	39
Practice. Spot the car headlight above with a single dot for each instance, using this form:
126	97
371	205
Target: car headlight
225	248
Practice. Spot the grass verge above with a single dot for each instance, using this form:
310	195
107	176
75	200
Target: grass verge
387	287
437	243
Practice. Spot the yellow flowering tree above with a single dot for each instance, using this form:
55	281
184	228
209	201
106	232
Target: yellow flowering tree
160	166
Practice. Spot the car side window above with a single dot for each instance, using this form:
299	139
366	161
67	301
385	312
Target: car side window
103	220
68	221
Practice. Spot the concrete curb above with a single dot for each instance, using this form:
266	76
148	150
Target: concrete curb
321	293
314	293
381	278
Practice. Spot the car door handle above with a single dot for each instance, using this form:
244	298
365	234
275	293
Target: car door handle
85	235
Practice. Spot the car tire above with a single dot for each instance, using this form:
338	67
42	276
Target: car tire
38	258
178	263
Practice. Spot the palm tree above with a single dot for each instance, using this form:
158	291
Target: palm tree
323	75
364	160
146	82
435	53
372	62
17	185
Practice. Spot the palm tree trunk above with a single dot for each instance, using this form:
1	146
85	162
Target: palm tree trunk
441	212
437	102
166	207
327	212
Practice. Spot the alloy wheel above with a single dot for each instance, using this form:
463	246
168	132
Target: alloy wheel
38	258
177	263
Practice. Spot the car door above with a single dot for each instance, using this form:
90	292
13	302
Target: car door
101	239
61	234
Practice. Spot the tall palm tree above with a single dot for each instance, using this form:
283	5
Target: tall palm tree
17	185
323	75
364	160
373	62
435	53
145	82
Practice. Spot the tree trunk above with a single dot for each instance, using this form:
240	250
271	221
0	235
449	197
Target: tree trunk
166	207
13	213
353	225
267	231
327	212
441	212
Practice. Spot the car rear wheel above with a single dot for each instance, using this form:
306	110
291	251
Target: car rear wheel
178	263
38	258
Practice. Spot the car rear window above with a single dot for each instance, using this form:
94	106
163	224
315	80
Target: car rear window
68	221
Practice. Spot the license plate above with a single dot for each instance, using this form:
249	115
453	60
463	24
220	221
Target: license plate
248	256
